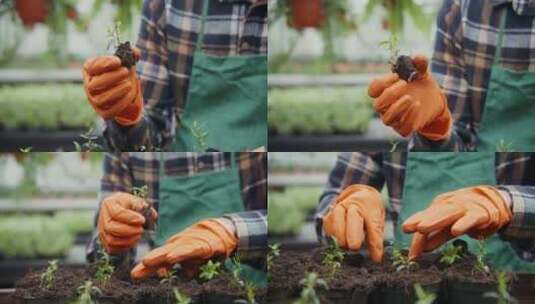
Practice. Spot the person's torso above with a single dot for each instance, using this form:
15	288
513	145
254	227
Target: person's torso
143	168
232	28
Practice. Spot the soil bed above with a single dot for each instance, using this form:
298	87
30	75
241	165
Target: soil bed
121	289
361	281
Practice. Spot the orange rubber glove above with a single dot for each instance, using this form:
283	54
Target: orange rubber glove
477	211
192	247
357	214
113	91
417	106
120	224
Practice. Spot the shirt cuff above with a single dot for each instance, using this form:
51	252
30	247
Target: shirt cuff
251	231
522	224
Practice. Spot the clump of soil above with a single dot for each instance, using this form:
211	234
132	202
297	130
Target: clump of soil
149	220
405	68
126	54
122	289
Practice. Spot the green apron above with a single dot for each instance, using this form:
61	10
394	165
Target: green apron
429	174
509	113
185	200
226	107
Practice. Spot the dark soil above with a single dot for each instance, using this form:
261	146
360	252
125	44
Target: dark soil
149	220
405	68
359	277
121	289
126	54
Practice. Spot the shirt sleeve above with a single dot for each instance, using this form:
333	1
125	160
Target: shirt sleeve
522	225
350	169
448	68
251	230
156	129
116	178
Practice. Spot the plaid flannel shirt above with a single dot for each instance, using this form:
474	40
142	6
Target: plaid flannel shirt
124	171
466	39
515	175
167	39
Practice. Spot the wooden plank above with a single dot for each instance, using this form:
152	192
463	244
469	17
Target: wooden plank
298	80
19	76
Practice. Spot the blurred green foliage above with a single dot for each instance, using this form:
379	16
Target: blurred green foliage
288	210
48	106
319	110
76	221
30	236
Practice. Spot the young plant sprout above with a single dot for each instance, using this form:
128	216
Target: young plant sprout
401	261
200	135
87	292
123	50
333	257
423	297
143	193
48	277
250	292
480	264
274	251
502	294
104	269
170	278
235	279
451	254
402	65
25	150
90	142
181	298
210	270
310	283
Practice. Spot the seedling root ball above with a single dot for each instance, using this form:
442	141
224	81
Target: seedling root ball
126	54
405	68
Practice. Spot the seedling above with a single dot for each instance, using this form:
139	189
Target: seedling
401	261
310	283
25	150
480	264
423	297
504	146
235	279
200	135
210	270
250	292
181	298
87	293
48	277
451	254
104	269
502	294
402	65
274	251
90	142
170	278
143	193
333	258
123	50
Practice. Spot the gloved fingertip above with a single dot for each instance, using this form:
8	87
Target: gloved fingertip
421	63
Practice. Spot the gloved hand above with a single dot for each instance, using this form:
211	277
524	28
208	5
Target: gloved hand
113	90
120	224
357	214
417	106
192	247
477	211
